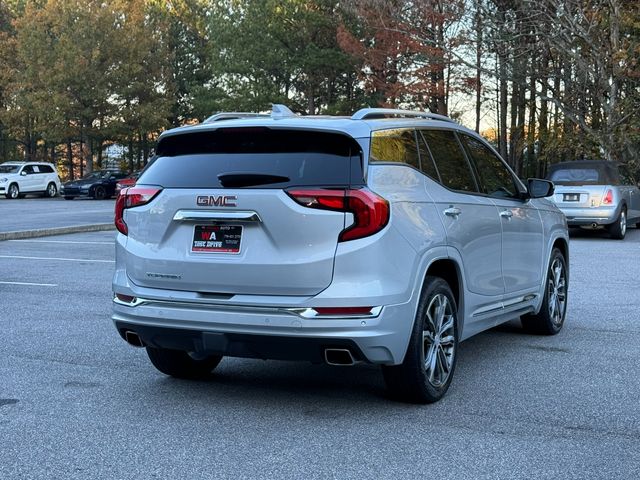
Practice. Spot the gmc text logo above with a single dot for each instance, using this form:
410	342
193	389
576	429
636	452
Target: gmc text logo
216	200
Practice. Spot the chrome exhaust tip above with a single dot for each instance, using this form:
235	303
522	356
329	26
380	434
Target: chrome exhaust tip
339	357
133	339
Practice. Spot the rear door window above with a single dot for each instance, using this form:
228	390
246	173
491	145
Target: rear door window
255	157
426	160
455	171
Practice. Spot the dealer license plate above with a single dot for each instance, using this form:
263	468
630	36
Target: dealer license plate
216	239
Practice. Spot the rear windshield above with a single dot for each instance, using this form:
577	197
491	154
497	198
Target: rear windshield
601	173
571	175
255	158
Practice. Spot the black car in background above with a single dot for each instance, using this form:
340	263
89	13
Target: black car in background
99	185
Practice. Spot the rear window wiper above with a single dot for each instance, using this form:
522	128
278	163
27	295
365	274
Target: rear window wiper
246	179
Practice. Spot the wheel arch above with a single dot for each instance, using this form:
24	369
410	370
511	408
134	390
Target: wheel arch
562	245
449	270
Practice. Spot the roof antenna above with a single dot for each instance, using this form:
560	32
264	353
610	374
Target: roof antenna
281	111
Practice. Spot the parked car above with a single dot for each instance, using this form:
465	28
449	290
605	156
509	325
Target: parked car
18	179
99	185
590	194
335	240
127	182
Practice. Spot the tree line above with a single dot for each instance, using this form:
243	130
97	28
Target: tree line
545	80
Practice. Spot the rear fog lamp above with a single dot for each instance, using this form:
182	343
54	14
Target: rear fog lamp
337	311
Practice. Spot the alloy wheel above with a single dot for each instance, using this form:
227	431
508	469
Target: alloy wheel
13	191
557	292
439	340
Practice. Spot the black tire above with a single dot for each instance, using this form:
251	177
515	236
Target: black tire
13	191
550	319
51	190
618	229
181	364
99	193
68	198
412	381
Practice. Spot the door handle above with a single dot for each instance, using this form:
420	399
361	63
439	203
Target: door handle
452	212
506	214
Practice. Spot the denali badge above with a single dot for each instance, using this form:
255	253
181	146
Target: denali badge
216	200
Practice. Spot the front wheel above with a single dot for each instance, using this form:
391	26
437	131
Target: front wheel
618	229
13	192
550	319
181	364
427	370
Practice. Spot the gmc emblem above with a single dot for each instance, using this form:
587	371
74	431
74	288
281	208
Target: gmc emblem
216	200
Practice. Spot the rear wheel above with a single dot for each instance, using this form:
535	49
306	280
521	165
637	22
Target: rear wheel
426	372
51	190
13	191
618	229
550	318
99	193
181	364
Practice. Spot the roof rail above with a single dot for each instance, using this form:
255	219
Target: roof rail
232	116
366	113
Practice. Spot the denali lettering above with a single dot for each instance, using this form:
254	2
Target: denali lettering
216	200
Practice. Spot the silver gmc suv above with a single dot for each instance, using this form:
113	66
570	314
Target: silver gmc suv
387	237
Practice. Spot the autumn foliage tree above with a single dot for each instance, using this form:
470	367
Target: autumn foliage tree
405	48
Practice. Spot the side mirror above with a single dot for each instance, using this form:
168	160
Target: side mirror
538	188
23	173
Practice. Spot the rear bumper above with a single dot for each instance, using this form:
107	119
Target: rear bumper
268	333
239	344
588	216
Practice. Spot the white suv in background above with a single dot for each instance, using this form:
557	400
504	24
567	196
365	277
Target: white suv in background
19	178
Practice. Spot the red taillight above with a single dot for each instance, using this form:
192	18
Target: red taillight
608	198
370	211
129	198
343	310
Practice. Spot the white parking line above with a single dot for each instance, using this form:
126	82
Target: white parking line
55	258
62	241
29	284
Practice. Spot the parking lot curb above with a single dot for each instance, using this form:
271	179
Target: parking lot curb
45	232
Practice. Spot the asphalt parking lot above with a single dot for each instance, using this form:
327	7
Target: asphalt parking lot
33	212
77	402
